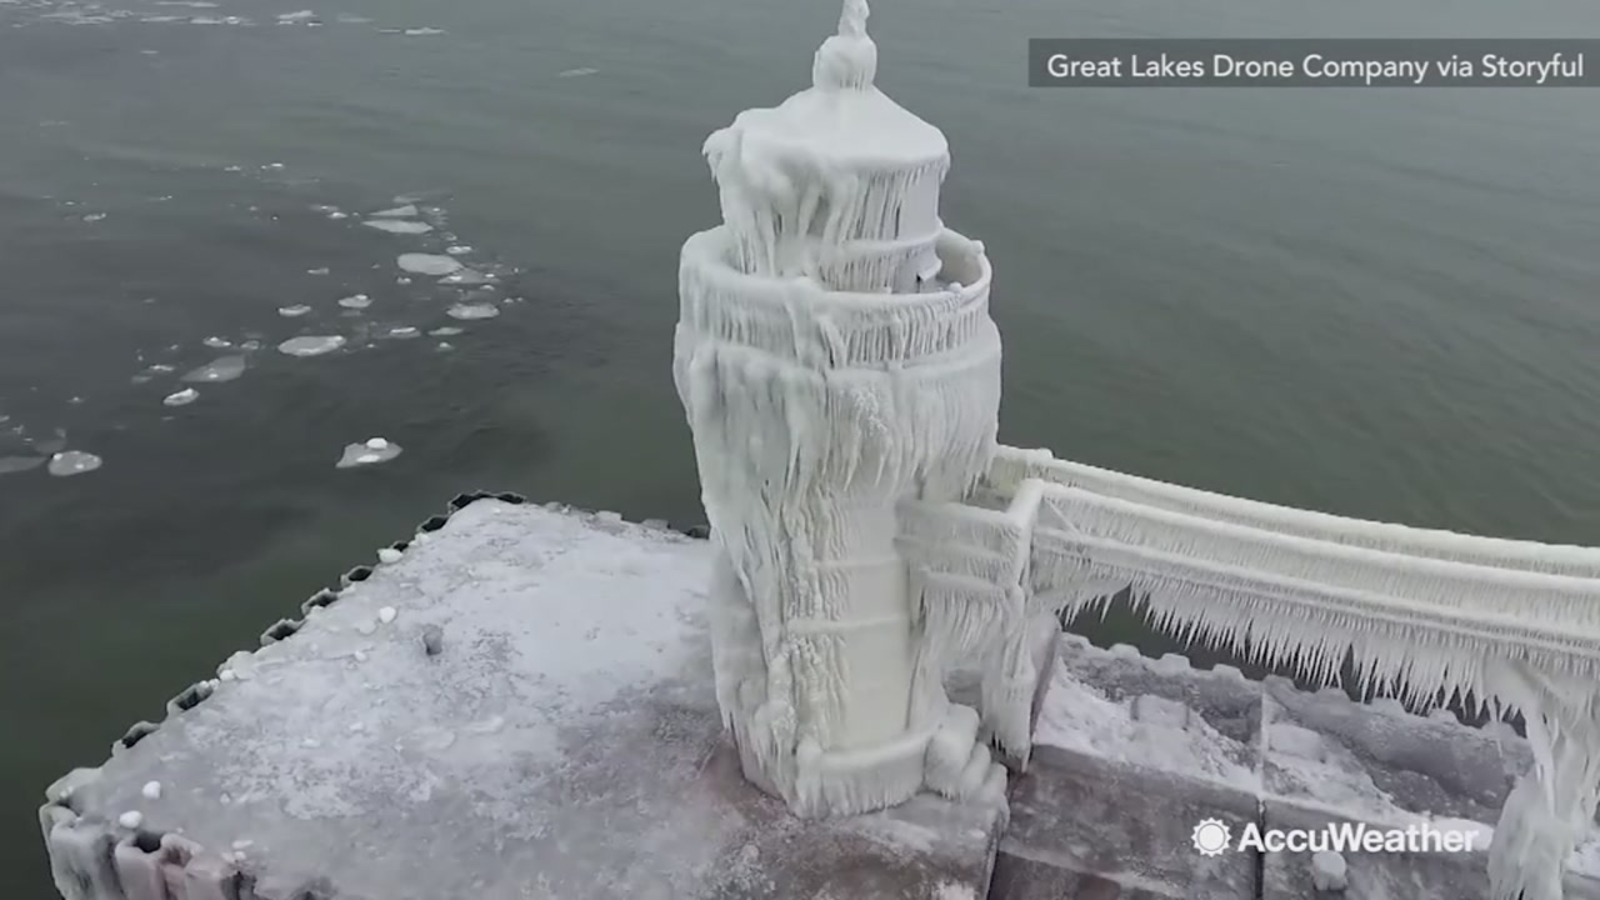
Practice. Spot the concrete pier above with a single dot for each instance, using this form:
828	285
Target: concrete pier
1132	753
518	703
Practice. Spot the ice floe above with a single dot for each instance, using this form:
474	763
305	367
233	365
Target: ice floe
368	453
428	264
447	331
471	311
403	332
398	226
217	343
225	368
304	15
356	301
293	312
408	211
13	464
466	277
422	32
182	398
311	345
458	250
73	462
577	73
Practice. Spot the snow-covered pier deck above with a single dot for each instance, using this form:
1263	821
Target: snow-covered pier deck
518	703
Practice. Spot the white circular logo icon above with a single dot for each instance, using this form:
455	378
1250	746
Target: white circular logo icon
1211	837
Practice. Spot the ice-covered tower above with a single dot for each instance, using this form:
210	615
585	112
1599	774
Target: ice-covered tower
836	358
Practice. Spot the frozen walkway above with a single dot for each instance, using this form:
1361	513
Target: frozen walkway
517	704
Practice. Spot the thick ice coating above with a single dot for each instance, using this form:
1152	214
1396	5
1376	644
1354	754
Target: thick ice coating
836	358
839	183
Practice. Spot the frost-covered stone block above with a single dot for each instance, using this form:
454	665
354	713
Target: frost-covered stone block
1153	710
81	859
1084	822
1368	875
1222	714
1019	878
1292	740
1381	767
140	871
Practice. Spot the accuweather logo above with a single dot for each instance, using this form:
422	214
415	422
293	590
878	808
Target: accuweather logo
1213	837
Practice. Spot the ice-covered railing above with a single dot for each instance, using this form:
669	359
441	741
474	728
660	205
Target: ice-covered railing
1427	616
1012	465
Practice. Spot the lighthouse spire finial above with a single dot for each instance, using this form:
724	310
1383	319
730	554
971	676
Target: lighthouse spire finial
853	21
849	59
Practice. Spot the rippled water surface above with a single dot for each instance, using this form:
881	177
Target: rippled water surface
237	238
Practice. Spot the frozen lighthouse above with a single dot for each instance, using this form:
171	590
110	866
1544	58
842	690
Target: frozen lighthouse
836	360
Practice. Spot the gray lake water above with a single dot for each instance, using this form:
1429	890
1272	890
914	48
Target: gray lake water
1377	303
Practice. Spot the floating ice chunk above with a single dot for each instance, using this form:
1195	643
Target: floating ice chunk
458	249
469	277
311	345
301	16
445	347
427	264
471	311
421	32
217	343
357	301
404	332
293	312
399	212
322	271
152	790
182	398
387	614
226	368
576	73
447	331
131	819
398	226
338	215
13	464
389	555
94	217
377	443
362	455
